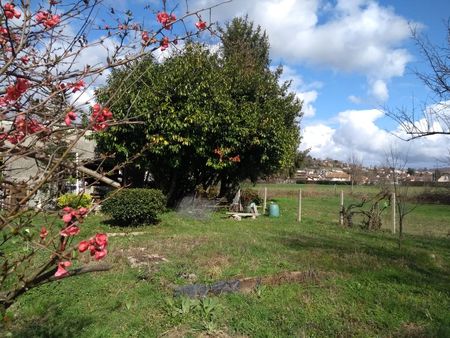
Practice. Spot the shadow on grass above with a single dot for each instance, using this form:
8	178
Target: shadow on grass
410	266
53	325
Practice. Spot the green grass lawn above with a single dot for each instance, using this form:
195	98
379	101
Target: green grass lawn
367	286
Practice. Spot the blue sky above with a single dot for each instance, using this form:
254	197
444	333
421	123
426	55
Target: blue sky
349	60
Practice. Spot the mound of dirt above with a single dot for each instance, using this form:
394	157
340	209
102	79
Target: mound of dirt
249	284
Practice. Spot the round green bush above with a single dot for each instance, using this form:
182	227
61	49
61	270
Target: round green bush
135	206
75	201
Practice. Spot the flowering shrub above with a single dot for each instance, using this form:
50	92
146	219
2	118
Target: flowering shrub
75	200
46	107
135	206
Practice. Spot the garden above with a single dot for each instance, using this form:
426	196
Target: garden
124	140
313	278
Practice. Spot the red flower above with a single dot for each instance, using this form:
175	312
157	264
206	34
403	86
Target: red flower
82	211
72	230
99	117
76	86
47	20
166	19
67	218
43	233
100	254
13	92
145	37
96	246
10	11
61	271
236	158
83	246
201	25
164	43
101	240
67	209
70	116
107	114
24	60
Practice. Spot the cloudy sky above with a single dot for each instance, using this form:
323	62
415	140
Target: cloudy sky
350	60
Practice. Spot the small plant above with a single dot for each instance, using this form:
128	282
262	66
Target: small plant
181	306
135	206
75	201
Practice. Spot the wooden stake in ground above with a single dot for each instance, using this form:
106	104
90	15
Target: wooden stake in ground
299	214
393	204
265	201
341	214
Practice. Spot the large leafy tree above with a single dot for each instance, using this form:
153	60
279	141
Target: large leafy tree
203	117
256	93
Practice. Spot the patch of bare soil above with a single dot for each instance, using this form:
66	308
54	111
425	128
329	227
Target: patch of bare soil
411	330
123	234
183	331
140	257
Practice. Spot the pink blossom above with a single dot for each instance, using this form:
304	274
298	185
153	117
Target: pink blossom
43	233
10	11
201	25
82	211
166	19
76	86
83	246
70	231
101	240
164	43
47	20
61	271
70	116
67	218
99	254
145	37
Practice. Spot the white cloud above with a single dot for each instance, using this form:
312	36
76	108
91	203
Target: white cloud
307	93
355	99
356	131
379	90
308	99
357	36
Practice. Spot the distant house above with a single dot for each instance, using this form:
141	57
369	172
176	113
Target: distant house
444	178
337	176
19	173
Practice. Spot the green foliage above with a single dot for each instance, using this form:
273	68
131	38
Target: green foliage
206	118
135	206
75	200
249	195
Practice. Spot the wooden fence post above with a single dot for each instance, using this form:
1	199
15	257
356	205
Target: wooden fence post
393	205
299	214
265	201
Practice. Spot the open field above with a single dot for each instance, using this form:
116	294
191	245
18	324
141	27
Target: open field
359	284
322	202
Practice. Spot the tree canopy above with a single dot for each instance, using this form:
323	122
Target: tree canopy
204	117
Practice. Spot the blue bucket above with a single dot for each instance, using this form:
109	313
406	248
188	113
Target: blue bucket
274	210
